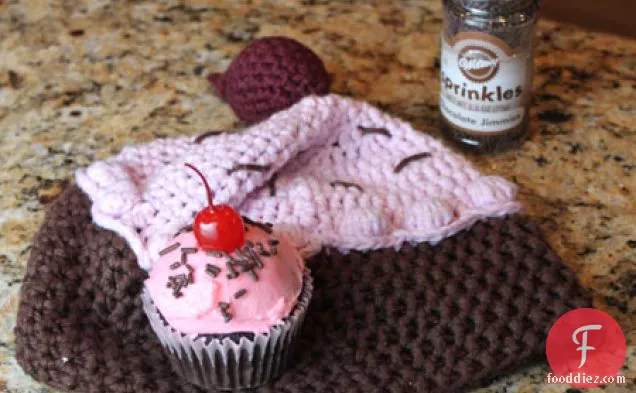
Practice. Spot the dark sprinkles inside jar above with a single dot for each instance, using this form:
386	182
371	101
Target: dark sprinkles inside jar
507	20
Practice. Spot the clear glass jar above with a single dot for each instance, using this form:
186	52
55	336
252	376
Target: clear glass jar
486	72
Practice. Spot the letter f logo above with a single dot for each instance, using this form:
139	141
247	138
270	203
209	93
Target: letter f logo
584	347
574	330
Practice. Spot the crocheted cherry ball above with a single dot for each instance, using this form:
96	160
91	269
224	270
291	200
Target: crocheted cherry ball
269	75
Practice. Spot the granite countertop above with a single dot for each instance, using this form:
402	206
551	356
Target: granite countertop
79	80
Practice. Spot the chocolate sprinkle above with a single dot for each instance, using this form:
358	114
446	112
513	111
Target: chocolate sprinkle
169	248
177	283
240	293
175	265
248	220
271	184
242	263
249	167
255	258
187	228
273	242
178	277
215	254
375	130
345	184
239	259
264	227
224	307
232	273
252	275
184	258
189	250
247	267
262	251
245	257
207	134
190	274
409	160
212	270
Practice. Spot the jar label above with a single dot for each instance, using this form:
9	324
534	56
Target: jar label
484	85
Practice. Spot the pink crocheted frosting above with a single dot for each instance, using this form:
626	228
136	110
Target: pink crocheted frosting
327	171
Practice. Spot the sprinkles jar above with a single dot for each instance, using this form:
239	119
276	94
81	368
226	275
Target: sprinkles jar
486	72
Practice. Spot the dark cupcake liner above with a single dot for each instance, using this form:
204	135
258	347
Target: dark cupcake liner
226	363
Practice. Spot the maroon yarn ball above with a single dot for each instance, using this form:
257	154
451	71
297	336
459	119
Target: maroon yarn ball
269	75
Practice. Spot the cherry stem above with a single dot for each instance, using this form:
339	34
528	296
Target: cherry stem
205	182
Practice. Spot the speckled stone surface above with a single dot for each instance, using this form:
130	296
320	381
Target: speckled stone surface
81	79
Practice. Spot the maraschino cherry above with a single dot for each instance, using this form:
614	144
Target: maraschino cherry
217	227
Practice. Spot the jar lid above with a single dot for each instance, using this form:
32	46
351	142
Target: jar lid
496	7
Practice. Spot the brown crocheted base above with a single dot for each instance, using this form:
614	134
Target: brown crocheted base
424	319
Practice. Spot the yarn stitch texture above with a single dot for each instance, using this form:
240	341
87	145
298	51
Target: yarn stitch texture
422	319
270	75
329	171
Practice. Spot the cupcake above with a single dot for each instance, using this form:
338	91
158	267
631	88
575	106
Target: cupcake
227	300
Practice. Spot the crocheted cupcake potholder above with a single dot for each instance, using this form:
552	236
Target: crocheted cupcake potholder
450	296
422	319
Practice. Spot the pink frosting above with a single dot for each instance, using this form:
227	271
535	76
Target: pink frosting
266	301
